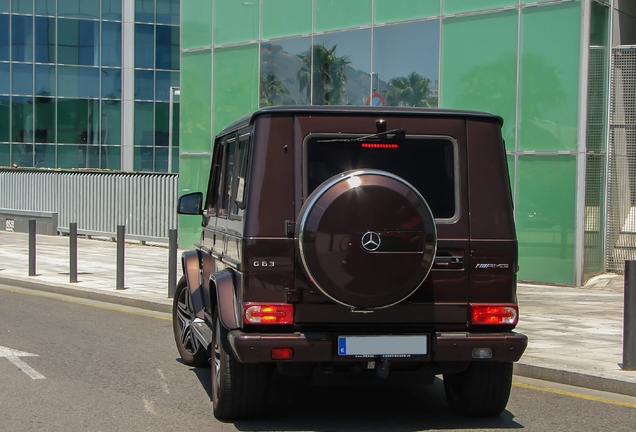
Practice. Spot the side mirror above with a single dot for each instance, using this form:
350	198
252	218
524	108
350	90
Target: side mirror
190	204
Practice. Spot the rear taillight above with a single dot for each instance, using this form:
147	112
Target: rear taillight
268	313
379	145
484	314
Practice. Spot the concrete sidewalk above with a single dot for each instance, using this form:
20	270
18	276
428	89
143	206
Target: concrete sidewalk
575	333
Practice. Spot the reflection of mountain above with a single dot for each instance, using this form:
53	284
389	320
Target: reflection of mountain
276	61
283	66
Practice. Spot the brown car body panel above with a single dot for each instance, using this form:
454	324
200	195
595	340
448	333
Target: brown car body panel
475	260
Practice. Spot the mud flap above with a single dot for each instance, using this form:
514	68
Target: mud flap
226	299
191	269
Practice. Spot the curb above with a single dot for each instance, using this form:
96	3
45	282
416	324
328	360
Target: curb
574	379
89	294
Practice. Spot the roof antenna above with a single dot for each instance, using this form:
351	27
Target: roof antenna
380	125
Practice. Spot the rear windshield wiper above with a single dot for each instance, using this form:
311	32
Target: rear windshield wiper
392	135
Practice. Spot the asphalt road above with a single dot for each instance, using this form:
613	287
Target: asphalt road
73	365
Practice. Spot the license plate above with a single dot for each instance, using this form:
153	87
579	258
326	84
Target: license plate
382	345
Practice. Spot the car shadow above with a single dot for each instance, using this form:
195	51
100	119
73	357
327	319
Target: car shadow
295	404
204	375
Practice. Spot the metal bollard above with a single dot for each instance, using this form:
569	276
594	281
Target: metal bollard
72	235
32	227
629	317
121	241
172	262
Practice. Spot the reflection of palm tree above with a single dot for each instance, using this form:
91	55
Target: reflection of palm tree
412	91
328	78
270	89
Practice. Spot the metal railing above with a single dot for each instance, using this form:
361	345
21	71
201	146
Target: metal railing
98	201
621	205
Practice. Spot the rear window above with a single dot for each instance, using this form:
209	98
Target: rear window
428	163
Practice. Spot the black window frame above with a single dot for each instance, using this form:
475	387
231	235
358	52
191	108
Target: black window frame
455	168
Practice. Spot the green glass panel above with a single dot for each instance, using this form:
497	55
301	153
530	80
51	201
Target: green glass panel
75	156
111	157
196	23
4	118
458	6
297	18
45	155
44	120
145	10
78	8
338	14
599	25
22	120
175	160
196	94
22	6
77	121
4	6
401	10
5	155
235	21
193	177
235	85
511	172
111	122
144	159
111	9
534	1
44	7
549	88
162	122
144	123
545	217
479	66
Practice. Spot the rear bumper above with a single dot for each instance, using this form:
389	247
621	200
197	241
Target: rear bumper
321	347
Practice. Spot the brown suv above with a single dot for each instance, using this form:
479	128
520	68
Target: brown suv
353	240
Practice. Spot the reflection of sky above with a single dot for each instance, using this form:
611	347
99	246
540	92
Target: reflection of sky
405	48
294	46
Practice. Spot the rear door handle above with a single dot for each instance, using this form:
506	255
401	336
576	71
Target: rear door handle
443	261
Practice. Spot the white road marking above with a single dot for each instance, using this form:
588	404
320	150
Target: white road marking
163	382
149	406
14	357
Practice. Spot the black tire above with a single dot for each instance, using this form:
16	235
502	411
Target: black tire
482	390
239	390
190	349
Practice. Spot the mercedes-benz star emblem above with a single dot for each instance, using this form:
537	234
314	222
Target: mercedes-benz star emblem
371	241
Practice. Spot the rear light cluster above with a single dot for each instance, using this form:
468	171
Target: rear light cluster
487	314
268	313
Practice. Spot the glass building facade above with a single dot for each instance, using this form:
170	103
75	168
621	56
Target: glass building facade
540	64
86	83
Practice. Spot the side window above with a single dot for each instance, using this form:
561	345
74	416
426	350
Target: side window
240	179
215	179
224	188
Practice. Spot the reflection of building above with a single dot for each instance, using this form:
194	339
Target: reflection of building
531	62
85	84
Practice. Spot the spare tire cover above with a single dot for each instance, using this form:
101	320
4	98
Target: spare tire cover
366	239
